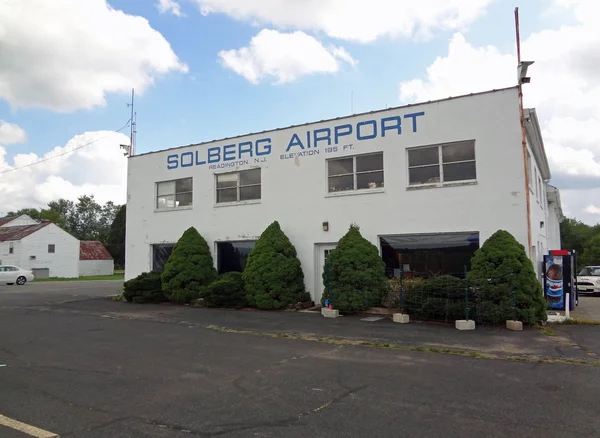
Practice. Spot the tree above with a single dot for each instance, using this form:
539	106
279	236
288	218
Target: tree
575	235
115	242
273	276
39	215
505	284
190	265
591	253
354	274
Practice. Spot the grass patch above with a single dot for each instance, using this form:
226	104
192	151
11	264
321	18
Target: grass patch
115	276
547	331
578	321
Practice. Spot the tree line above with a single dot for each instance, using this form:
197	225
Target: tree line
583	238
86	219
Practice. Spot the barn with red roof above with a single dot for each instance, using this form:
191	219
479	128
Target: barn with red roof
94	259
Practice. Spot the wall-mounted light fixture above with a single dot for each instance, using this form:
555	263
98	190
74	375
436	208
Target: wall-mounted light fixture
325	226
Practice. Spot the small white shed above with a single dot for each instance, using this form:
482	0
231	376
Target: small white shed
94	259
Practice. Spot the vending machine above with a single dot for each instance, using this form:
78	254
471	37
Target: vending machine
559	279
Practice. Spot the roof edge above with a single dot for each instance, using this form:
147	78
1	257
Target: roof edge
534	132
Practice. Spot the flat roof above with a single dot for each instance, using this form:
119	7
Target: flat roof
462	96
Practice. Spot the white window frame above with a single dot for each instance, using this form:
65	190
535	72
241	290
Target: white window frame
238	186
174	194
440	164
355	174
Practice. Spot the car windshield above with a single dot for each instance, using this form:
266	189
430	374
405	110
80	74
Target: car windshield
591	271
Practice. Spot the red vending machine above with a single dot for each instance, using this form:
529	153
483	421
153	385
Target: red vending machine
559	279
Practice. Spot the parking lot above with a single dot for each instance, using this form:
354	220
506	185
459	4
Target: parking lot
75	365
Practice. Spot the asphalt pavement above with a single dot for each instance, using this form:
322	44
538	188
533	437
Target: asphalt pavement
76	365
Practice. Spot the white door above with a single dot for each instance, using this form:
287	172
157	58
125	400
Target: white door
322	251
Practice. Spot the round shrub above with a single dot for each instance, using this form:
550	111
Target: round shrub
227	291
190	265
273	276
354	274
502	275
145	288
440	298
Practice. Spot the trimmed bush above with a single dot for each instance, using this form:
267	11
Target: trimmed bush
354	274
184	296
439	298
145	288
190	265
273	276
227	291
502	274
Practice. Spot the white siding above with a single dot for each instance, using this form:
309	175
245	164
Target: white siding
88	268
294	190
6	258
21	220
63	263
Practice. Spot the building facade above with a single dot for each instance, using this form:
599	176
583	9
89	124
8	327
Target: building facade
427	184
94	259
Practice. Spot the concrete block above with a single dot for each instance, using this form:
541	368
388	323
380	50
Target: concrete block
514	325
401	318
463	324
330	313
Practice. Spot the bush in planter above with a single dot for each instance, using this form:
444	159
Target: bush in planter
190	265
145	288
502	274
273	275
227	291
354	274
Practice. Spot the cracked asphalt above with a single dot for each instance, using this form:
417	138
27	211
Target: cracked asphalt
81	366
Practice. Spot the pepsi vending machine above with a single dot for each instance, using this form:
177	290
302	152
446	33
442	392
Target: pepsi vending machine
559	279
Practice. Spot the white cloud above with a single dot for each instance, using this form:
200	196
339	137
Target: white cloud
68	54
99	168
11	133
592	209
355	20
564	90
284	57
171	6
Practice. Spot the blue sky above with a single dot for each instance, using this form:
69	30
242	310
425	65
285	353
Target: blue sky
208	100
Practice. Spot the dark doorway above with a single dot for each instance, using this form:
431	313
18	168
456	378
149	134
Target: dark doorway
160	255
232	256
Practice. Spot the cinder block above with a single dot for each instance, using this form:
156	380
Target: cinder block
514	325
401	318
463	324
330	313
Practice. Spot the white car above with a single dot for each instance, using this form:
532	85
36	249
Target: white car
13	274
588	280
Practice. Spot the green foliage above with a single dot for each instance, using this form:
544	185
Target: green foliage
189	267
438	298
115	242
591	253
184	296
502	275
145	288
576	235
273	276
227	291
354	274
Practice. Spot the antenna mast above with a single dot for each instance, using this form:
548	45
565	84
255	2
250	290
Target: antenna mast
133	131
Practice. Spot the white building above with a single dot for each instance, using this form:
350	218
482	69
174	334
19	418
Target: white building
94	259
43	247
427	184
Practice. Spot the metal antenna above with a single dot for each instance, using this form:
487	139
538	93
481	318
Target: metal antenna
131	143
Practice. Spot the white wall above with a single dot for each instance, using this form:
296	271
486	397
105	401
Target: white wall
63	263
6	258
294	190
88	268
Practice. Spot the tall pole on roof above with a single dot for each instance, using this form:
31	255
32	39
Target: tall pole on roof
132	125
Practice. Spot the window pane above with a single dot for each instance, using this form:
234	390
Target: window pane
183	199
369	162
341	183
458	152
340	167
423	156
424	175
165	201
160	255
369	180
251	192
250	177
459	172
227	180
183	185
166	188
227	195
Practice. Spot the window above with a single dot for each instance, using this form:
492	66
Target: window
355	173
440	164
232	256
239	186
11	247
174	194
51	248
160	255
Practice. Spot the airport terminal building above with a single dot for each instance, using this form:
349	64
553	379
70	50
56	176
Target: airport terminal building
427	183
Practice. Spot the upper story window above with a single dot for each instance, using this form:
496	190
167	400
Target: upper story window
244	185
442	164
174	194
51	248
11	248
355	173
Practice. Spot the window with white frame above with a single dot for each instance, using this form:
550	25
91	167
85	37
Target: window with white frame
442	164
11	248
358	172
244	185
174	194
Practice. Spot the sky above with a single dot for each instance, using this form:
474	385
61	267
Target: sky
209	69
